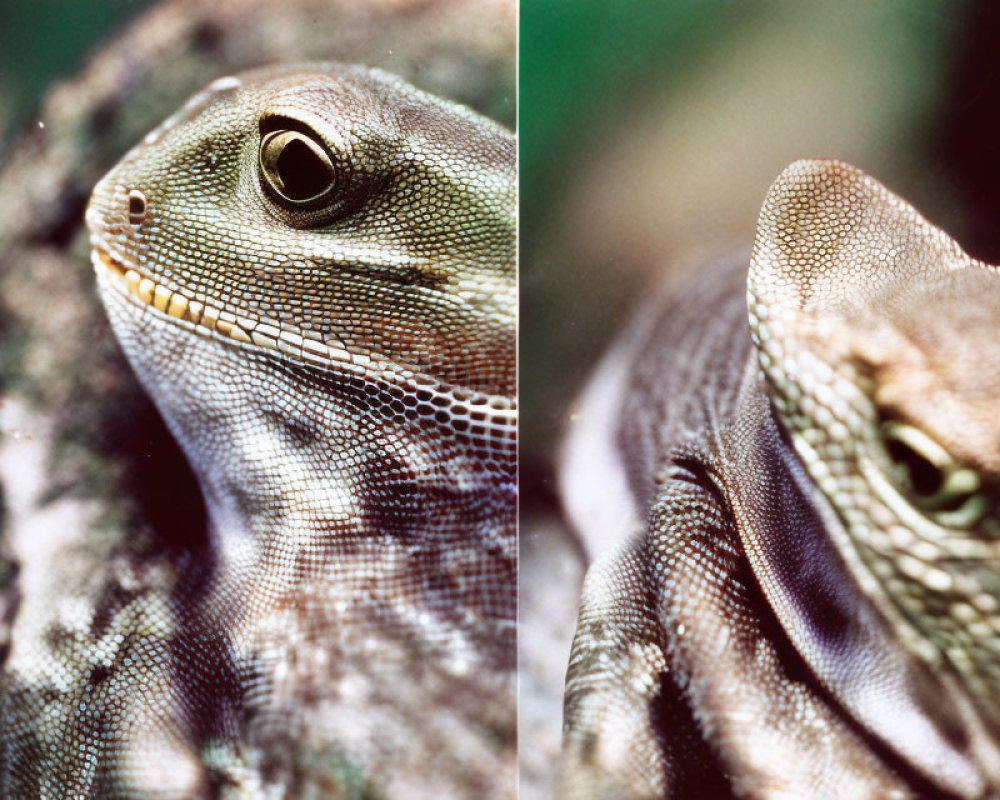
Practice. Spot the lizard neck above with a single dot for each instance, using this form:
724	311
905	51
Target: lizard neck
360	467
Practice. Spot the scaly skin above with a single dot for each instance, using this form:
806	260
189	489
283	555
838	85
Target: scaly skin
311	269
812	608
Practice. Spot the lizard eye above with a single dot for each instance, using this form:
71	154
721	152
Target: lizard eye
296	169
934	481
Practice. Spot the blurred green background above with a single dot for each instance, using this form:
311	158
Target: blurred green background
41	40
581	60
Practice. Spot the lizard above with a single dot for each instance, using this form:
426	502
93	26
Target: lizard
311	270
803	464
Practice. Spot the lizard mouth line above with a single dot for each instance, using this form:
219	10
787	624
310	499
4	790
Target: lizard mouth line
204	319
207	318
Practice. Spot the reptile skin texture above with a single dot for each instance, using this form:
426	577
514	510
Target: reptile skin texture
312	271
807	602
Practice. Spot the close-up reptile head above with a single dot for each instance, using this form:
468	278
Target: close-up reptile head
331	213
878	339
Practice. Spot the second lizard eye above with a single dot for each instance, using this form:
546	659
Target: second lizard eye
934	481
296	168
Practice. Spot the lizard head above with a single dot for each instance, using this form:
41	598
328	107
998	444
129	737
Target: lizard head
332	214
879	341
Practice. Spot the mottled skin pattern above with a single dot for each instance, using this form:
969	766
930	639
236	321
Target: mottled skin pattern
809	603
311	269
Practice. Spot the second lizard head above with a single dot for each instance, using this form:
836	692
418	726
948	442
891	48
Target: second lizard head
878	339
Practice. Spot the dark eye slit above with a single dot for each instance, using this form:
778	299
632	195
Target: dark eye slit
302	173
925	478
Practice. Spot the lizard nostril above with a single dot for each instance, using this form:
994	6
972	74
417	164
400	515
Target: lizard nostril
136	207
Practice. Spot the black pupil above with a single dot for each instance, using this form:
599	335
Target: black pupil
925	478
302	172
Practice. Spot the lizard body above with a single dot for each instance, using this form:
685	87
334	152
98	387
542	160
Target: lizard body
311	269
808	605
